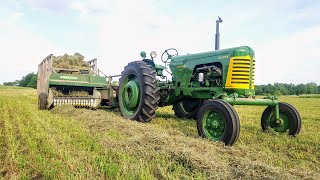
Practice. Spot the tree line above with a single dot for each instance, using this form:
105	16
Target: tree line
29	80
287	89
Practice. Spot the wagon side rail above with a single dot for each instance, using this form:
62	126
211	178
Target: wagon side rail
44	72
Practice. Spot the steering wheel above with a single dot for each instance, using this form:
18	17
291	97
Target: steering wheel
168	54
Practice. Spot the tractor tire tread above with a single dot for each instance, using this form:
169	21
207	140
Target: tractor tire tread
149	91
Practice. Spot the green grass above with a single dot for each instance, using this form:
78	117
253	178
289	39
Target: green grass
69	143
310	96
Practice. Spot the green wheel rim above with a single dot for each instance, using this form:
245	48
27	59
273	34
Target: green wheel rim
214	125
281	125
130	95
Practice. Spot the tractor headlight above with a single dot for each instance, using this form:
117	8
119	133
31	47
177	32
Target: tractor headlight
153	54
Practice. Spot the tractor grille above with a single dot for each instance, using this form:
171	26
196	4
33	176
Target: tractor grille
241	73
75	101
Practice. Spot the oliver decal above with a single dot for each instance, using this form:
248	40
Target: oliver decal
68	77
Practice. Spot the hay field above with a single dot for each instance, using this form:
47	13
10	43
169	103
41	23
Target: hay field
69	143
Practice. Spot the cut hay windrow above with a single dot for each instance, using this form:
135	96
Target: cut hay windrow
148	141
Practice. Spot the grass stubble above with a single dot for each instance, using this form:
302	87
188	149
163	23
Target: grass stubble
74	143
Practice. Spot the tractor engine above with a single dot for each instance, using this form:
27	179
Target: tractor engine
209	75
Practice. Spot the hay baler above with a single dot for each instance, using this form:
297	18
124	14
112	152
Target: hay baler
80	87
204	86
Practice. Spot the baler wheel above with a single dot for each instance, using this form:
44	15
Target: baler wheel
217	120
138	92
42	101
289	119
187	108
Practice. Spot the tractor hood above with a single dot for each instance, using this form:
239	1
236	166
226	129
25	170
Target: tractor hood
223	53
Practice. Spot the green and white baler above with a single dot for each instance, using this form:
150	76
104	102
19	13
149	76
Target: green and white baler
80	87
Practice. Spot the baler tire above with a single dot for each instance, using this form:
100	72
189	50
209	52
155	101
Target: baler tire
181	112
148	91
42	101
287	110
230	116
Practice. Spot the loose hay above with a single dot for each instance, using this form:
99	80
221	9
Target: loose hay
144	140
66	61
78	94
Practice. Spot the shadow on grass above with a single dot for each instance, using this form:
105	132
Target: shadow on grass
165	115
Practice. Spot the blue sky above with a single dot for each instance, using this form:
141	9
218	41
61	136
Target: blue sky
284	34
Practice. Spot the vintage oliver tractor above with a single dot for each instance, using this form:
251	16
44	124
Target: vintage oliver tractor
204	86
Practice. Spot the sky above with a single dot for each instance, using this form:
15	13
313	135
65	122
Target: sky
284	34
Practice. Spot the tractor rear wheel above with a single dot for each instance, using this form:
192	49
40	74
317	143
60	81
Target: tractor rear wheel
217	120
138	92
42	101
289	119
187	108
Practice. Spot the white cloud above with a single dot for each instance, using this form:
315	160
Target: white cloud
139	26
21	51
53	5
291	59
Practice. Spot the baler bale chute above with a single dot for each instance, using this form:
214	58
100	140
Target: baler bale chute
204	86
71	81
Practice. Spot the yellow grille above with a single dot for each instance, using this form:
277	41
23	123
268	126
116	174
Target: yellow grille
241	70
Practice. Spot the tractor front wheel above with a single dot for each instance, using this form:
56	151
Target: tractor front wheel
289	119
138	92
187	108
217	120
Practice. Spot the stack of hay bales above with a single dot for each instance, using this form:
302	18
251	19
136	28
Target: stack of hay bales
66	61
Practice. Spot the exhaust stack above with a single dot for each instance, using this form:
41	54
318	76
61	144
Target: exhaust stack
217	42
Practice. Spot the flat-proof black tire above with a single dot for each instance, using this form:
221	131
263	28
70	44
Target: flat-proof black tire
187	108
42	101
290	119
217	120
138	80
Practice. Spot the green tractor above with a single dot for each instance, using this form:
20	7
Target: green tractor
203	86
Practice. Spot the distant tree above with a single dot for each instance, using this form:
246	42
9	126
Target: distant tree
8	83
301	89
269	89
33	82
311	88
14	83
283	90
290	88
30	80
258	89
